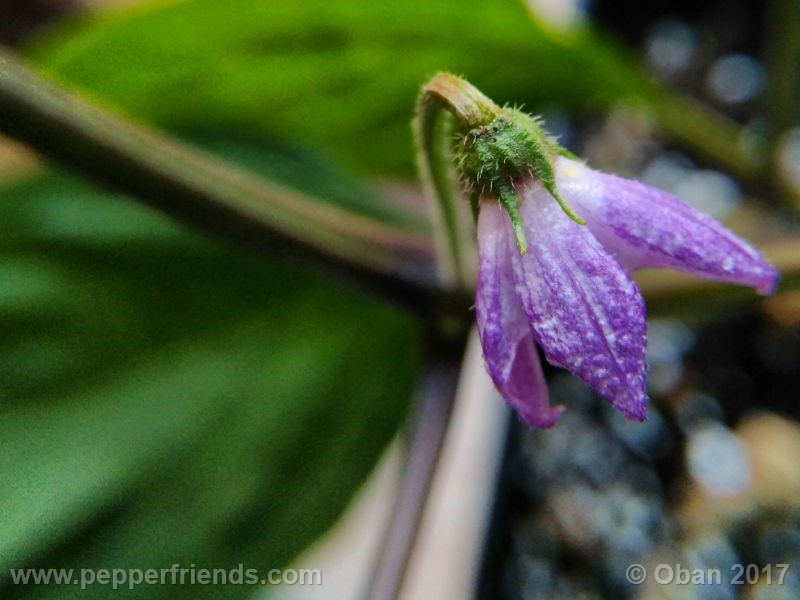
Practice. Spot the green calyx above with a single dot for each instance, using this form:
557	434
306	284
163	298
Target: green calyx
494	158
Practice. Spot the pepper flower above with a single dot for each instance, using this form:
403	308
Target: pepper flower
571	292
557	242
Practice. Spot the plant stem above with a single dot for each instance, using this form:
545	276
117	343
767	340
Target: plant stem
232	203
214	197
783	65
443	97
428	430
780	105
713	135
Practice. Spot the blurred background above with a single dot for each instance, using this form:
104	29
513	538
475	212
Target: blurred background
171	397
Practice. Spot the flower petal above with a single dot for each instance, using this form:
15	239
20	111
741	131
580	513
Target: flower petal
586	312
508	349
646	227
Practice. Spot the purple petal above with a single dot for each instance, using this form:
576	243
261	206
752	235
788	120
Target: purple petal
586	312
508	349
646	227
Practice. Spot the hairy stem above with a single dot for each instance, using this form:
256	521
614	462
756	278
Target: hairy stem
444	97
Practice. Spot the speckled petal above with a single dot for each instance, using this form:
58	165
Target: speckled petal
508	349
586	312
642	226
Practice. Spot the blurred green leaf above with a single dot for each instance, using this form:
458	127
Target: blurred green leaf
341	75
167	400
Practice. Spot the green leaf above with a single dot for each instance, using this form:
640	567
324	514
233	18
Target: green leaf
341	75
167	400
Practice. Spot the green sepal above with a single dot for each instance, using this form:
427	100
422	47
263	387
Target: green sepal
542	159
475	204
551	187
495	157
510	200
567	154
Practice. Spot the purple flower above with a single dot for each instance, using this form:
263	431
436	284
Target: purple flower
571	293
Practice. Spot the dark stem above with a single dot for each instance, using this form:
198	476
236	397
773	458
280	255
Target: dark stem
429	425
215	197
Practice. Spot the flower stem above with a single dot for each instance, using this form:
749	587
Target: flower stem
445	97
471	107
